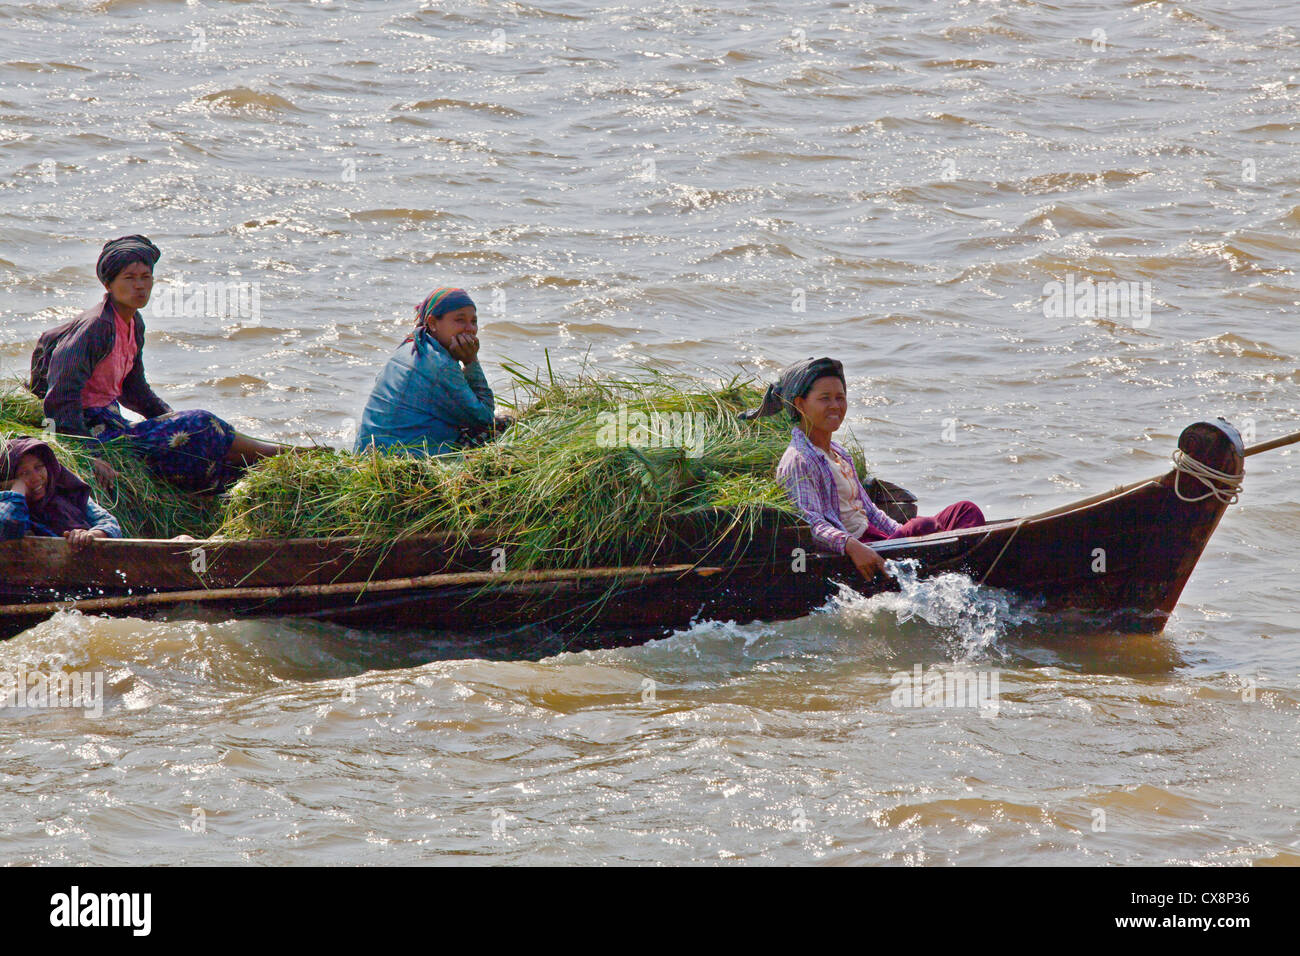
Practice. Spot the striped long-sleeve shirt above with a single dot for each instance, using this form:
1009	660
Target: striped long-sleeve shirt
69	356
806	477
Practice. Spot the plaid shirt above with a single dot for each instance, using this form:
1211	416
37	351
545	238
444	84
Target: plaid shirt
806	477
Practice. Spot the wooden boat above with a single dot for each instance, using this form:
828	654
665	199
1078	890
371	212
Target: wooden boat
1121	557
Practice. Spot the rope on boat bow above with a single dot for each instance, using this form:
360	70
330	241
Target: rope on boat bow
1219	484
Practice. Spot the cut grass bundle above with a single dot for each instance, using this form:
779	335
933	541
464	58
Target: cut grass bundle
590	474
19	407
144	506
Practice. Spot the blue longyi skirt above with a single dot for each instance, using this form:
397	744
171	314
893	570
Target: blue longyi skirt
187	449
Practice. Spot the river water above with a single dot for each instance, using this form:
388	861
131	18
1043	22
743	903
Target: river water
691	186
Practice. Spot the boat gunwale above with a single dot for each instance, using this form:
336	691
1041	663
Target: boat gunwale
450	539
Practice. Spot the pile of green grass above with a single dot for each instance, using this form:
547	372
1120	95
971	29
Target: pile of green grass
144	506
553	489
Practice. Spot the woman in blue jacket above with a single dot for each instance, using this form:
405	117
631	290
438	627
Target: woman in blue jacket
432	397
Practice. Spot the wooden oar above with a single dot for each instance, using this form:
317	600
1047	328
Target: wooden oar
92	605
1275	443
1074	505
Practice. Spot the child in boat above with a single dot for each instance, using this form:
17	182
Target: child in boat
88	369
819	476
39	496
432	397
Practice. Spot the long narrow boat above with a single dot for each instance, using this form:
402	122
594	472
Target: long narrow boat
1122	557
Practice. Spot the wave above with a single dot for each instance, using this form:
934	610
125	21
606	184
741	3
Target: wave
1080	216
49	66
110	6
967	33
1065	181
403	214
960	64
448	104
1236	253
203	654
749	251
1237	346
238	381
242	99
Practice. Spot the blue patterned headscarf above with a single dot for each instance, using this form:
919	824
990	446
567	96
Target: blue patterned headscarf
120	253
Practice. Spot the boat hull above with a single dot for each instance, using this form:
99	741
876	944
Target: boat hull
1121	559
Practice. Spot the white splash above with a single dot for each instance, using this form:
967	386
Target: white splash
973	618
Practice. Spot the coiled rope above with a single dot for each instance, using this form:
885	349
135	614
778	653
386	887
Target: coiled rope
1219	485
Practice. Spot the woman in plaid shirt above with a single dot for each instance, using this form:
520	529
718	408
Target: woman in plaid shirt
819	476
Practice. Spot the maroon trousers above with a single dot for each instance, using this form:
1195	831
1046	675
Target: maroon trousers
964	514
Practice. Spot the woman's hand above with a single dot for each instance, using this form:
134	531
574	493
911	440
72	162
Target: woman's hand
868	563
81	537
16	484
464	348
105	473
